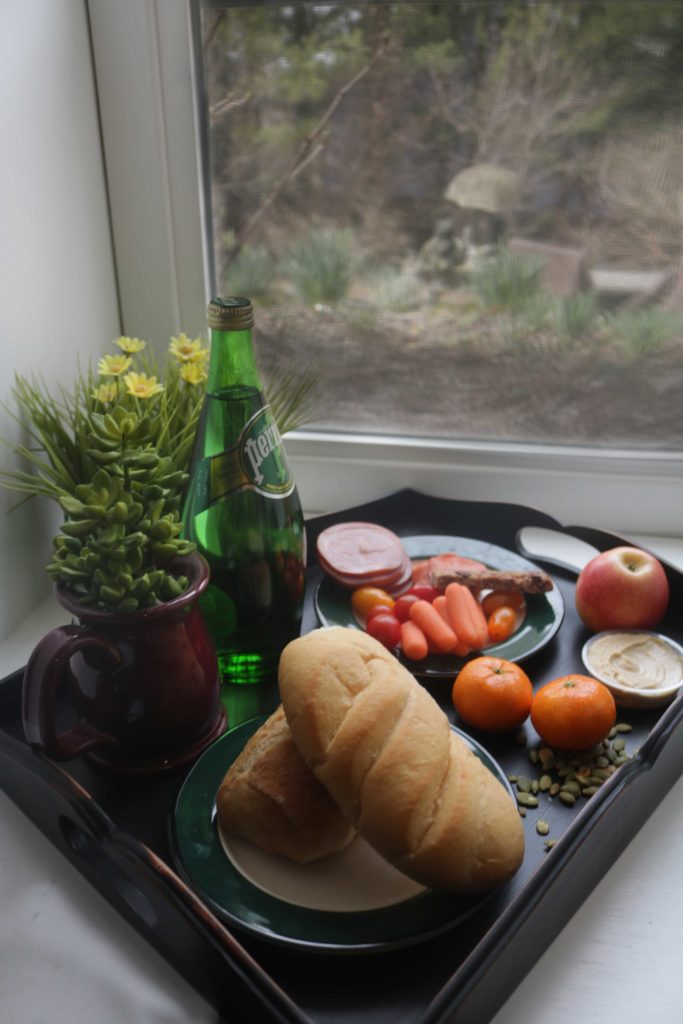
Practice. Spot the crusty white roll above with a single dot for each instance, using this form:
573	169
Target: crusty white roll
384	749
272	798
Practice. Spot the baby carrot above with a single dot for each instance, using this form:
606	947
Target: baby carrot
441	605
438	633
467	616
413	641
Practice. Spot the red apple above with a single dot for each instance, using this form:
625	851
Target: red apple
623	588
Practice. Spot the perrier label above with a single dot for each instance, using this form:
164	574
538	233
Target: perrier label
256	461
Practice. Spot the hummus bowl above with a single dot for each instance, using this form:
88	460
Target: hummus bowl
642	669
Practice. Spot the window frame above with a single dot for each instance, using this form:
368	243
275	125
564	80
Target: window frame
146	61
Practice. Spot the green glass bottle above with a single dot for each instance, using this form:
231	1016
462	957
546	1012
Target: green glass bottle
242	509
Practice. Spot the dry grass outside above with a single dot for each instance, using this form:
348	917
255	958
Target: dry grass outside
455	370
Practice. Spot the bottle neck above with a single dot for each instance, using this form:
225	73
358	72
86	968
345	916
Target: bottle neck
232	361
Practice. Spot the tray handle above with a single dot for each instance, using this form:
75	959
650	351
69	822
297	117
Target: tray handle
143	889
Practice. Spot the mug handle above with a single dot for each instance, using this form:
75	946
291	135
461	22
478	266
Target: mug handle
41	679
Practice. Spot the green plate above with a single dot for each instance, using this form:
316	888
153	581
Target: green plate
543	617
270	907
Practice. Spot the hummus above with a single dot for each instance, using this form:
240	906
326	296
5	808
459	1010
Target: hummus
641	661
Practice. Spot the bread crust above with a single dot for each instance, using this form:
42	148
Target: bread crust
272	798
384	750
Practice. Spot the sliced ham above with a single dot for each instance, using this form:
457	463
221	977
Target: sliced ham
358	554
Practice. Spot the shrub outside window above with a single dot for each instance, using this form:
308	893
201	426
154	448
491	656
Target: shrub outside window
467	216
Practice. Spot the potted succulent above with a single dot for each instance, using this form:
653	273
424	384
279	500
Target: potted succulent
138	660
114	454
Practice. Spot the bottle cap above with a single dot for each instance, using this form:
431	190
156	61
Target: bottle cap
230	314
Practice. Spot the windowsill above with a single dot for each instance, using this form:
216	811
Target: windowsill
16	648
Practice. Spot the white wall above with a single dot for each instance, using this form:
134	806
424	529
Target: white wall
57	283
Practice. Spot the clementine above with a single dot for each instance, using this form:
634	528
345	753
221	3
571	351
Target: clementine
573	712
492	694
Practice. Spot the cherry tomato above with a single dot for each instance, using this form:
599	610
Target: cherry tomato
424	591
379	609
501	623
386	629
365	598
502	599
402	606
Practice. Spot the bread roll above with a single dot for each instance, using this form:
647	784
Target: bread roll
270	797
385	751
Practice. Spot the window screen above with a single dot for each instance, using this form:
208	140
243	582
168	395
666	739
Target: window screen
467	218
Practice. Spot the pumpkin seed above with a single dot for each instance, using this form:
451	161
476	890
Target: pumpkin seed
622	759
570	787
534	786
523	784
522	812
542	827
623	727
601	761
527	800
619	744
533	755
547	758
549	843
567	798
589	790
554	789
545	783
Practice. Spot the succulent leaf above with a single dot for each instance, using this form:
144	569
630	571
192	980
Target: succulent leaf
107	458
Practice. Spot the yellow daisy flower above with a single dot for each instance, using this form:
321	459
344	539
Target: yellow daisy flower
202	357
105	392
113	366
142	386
185	350
193	373
130	345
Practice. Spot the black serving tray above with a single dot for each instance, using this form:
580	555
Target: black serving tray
116	832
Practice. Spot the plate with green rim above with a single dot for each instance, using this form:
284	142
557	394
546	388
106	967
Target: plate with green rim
279	901
544	612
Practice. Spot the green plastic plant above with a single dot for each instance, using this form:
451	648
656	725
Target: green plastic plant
123	529
114	454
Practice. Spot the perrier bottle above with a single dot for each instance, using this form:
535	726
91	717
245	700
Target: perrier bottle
242	509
